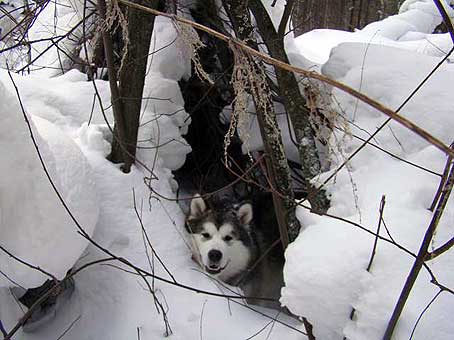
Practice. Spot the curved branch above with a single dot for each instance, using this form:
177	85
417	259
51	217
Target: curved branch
446	18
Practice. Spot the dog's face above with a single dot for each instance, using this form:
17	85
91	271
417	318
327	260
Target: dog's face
220	239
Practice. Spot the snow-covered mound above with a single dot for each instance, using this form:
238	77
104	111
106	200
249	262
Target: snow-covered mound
411	29
34	225
325	271
107	295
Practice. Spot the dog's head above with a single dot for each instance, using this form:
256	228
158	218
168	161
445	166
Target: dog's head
220	237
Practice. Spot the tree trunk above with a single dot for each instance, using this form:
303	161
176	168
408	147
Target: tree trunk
340	14
278	169
118	147
132	79
204	169
295	105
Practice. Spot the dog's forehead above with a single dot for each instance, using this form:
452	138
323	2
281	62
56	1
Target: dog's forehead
226	229
223	229
227	216
209	227
215	220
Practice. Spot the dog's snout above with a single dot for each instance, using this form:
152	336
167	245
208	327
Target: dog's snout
214	255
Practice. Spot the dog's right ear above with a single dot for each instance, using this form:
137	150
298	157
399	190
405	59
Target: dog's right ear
245	213
198	207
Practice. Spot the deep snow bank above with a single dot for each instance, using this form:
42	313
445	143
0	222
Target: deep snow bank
325	271
411	29
34	225
106	295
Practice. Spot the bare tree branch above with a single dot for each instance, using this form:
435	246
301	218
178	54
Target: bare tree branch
285	17
440	250
308	326
444	177
424	311
446	18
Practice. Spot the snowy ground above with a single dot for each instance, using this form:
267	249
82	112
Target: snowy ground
105	295
109	303
325	270
326	266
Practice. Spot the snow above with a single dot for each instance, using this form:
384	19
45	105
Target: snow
169	56
54	20
106	295
27	228
70	122
325	269
410	29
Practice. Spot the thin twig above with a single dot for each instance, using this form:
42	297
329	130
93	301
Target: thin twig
389	153
374	248
69	327
372	255
159	306
148	239
440	250
2	329
446	18
309	329
220	285
6	251
48	293
201	320
390	241
385	123
285	17
424	311
257	333
442	182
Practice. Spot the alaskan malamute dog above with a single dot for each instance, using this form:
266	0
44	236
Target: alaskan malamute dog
230	246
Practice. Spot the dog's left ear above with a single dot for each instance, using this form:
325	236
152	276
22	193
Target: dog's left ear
198	206
245	213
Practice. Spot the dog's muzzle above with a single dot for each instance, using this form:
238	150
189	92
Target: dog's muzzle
214	269
214	256
214	260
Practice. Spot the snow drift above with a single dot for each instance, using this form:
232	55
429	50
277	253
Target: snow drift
34	226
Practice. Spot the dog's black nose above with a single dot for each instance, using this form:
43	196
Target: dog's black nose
214	255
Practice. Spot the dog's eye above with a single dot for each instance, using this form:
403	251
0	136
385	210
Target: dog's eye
205	235
228	238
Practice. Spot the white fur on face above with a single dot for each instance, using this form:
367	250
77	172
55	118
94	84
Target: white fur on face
235	255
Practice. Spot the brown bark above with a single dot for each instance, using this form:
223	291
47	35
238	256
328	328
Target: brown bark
117	107
277	165
132	79
340	14
294	103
